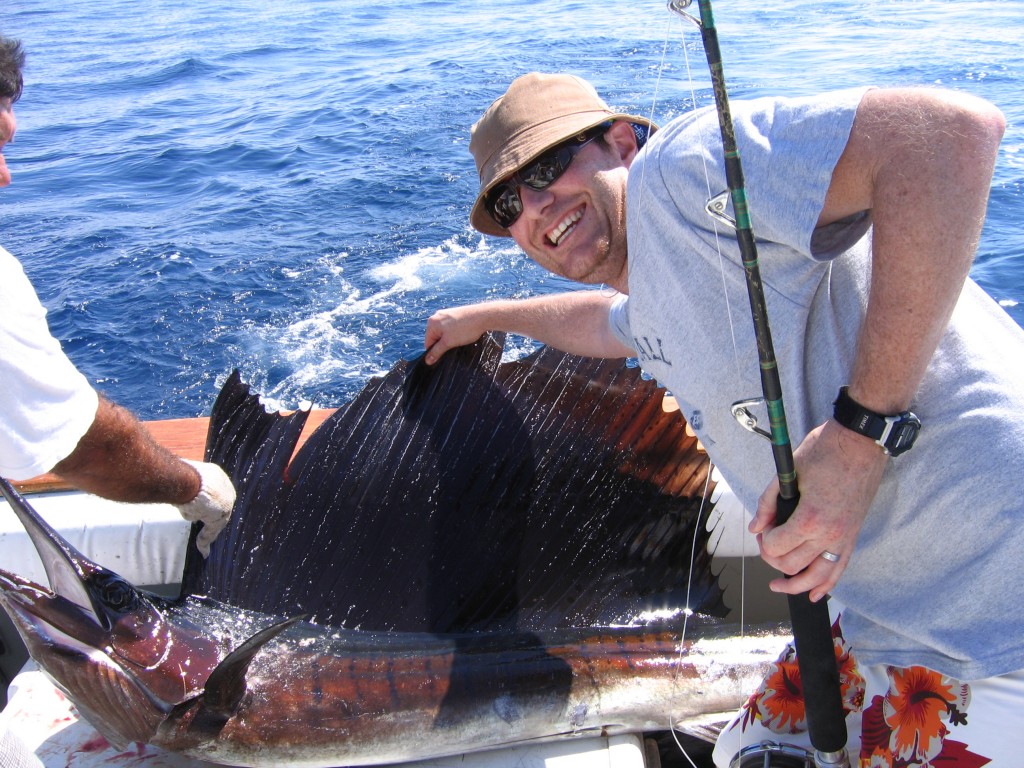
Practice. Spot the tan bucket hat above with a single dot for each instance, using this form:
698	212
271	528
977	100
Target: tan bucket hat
537	112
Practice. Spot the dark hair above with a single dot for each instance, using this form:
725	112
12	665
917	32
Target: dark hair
642	133
12	59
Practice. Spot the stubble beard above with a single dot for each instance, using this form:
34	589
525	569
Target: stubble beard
608	266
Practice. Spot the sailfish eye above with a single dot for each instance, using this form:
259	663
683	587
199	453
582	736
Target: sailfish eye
116	593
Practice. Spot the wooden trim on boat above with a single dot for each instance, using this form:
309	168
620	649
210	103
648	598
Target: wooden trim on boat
183	437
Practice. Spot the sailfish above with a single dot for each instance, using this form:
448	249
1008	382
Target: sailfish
465	556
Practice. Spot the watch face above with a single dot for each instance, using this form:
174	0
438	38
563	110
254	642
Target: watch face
901	438
895	434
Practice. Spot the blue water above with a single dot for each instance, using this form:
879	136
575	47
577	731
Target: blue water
283	187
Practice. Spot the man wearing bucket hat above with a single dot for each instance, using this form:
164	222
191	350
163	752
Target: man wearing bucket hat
868	205
530	137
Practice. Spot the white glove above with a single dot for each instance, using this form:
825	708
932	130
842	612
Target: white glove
14	753
212	505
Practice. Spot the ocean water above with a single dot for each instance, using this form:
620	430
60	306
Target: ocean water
284	187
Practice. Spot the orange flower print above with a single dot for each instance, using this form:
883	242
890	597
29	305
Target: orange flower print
851	681
779	702
917	708
781	698
879	758
910	726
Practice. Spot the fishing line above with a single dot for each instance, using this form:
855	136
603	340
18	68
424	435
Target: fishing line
669	29
673	731
671	22
725	296
689	612
693	554
714	222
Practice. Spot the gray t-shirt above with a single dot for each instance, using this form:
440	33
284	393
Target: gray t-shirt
937	575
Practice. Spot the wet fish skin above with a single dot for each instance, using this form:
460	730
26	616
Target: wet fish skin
357	706
113	657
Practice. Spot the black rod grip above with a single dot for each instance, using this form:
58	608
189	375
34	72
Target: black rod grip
819	675
785	508
816	658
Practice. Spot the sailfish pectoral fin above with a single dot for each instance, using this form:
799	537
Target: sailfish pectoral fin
222	694
226	684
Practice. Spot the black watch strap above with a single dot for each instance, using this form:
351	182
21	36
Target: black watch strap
895	434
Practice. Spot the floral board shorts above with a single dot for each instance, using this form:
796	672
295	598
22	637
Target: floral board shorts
897	717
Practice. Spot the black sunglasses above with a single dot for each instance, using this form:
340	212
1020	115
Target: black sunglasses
503	202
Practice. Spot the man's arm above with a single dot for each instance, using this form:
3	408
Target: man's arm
921	160
575	322
118	459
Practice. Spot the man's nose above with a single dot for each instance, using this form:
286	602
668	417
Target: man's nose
534	200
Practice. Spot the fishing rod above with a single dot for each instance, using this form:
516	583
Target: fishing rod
812	629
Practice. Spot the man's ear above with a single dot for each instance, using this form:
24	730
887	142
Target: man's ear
622	139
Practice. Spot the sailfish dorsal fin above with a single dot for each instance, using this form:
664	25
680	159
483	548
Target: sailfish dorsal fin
476	494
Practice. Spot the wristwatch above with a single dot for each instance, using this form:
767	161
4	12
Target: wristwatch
895	434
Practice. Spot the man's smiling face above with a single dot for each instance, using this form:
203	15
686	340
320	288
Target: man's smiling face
576	227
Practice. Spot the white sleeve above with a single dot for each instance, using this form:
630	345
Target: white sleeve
46	405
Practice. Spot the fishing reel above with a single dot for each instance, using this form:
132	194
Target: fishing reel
769	754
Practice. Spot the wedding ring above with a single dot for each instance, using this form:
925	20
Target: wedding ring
832	557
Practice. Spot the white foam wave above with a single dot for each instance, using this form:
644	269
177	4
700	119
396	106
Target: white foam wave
346	340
